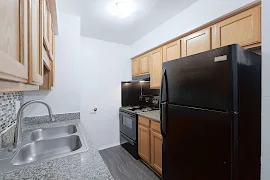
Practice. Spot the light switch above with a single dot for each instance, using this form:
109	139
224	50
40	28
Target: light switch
17	105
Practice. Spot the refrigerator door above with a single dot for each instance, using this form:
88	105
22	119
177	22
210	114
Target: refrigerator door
197	145
203	80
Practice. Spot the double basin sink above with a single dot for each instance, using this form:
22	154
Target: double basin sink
44	144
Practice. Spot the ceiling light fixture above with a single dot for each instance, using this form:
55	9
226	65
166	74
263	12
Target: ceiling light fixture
121	8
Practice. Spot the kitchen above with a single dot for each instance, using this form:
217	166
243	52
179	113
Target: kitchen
85	67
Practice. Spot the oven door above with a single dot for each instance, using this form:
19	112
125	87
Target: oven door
130	145
128	124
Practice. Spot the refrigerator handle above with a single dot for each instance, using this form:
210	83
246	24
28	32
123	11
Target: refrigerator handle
164	78
163	103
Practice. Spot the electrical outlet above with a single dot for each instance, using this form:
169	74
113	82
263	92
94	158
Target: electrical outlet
17	106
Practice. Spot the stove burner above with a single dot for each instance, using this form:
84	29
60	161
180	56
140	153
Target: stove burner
143	109
138	109
132	108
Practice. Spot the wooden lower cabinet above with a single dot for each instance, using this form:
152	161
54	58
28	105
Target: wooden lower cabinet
156	151
150	143
144	143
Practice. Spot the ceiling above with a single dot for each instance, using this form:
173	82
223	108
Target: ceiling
97	23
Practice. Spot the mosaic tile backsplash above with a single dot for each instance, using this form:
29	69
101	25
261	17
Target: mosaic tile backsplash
8	108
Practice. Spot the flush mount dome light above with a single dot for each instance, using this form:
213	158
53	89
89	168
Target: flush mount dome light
121	8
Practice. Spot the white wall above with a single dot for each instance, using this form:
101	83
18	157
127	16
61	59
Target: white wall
194	16
265	90
65	96
103	66
88	75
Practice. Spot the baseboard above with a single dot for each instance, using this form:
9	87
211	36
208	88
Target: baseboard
109	146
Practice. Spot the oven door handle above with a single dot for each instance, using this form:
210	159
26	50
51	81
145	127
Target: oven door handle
128	139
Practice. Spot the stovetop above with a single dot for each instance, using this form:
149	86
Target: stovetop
138	109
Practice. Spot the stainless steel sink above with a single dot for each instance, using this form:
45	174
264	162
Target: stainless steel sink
43	149
43	145
49	133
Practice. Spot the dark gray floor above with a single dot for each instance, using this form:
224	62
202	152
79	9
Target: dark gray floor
124	167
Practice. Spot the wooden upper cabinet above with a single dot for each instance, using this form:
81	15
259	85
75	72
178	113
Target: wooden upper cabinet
53	47
35	42
172	51
144	64
144	143
135	67
50	35
197	42
14	40
156	68
46	19
243	29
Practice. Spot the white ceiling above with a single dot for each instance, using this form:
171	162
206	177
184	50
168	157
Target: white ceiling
97	23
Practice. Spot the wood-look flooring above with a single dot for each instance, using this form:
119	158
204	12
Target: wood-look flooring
124	167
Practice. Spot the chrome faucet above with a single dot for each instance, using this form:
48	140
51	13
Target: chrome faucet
18	130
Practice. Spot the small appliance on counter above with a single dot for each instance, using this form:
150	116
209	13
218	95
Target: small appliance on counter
137	97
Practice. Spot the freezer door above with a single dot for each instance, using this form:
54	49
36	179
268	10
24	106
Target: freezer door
197	145
203	80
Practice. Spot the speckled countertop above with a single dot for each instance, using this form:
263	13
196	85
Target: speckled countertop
87	165
153	115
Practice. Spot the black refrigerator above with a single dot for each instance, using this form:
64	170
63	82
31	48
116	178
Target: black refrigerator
211	116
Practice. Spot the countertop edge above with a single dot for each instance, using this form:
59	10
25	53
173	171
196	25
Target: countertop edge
74	166
148	117
152	115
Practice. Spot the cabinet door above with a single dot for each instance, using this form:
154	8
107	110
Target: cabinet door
155	68
144	143
53	46
197	42
53	74
243	29
144	64
45	25
35	43
13	40
135	67
171	51
156	151
49	29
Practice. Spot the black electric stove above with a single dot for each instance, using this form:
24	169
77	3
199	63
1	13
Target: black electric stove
129	127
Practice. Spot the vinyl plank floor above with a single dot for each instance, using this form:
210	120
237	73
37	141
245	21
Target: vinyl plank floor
124	167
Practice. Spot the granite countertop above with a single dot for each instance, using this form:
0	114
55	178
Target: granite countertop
153	115
87	165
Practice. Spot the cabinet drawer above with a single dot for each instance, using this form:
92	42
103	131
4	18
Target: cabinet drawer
145	122
155	126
